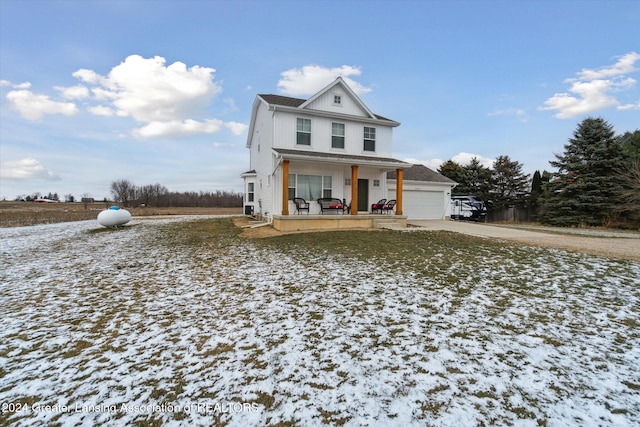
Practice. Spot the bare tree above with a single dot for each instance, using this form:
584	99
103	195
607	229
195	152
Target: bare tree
628	196
149	194
123	191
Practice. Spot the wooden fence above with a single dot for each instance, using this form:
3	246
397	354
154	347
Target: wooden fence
513	215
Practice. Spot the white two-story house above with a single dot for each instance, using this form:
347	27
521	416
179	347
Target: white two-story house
330	145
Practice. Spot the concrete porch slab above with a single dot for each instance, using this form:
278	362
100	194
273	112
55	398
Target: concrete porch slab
333	222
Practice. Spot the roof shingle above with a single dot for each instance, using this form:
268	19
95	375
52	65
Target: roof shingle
421	173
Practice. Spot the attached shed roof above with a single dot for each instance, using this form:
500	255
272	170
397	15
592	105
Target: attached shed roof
384	162
282	100
420	172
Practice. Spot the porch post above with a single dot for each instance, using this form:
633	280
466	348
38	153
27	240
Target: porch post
399	173
354	189
285	187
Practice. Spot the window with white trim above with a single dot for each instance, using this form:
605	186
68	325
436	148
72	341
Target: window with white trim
309	187
303	134
369	139
337	135
250	191
337	99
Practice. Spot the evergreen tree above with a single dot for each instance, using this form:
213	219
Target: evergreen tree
631	144
477	179
582	190
454	171
509	185
536	189
473	179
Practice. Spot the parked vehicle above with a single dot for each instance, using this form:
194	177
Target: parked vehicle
468	208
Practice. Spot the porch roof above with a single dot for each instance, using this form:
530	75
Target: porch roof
381	162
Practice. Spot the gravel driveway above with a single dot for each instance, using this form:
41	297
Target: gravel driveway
610	244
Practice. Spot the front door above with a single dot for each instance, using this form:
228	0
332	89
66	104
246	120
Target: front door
363	195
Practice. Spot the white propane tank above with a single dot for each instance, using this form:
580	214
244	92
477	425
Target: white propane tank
113	217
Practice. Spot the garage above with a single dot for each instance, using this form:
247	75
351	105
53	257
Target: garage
418	204
426	194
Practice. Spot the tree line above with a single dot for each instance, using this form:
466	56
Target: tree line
596	181
129	195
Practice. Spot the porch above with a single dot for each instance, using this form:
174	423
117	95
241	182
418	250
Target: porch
337	222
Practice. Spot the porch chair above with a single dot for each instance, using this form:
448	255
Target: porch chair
378	206
301	205
389	206
346	207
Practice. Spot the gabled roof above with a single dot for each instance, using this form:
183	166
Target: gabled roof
285	101
422	173
340	82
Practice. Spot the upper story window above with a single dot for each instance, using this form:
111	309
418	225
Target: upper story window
369	139
303	132
337	99
337	135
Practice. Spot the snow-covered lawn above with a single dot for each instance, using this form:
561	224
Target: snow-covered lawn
177	322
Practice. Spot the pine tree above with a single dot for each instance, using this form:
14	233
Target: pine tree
582	191
477	179
509	185
454	171
536	189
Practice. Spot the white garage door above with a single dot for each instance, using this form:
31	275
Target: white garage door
421	204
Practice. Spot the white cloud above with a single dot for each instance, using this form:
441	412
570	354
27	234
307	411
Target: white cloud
594	90
625	65
149	91
433	164
236	128
178	128
465	158
635	106
32	106
25	170
519	113
101	110
231	106
311	78
165	99
87	76
73	92
25	85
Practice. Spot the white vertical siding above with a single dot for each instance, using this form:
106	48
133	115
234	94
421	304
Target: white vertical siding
284	133
261	160
347	105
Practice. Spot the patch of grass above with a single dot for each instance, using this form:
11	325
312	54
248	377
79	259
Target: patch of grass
77	348
264	399
632	386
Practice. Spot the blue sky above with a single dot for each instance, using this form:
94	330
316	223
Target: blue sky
161	91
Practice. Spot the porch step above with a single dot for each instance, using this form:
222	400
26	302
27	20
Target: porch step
388	224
